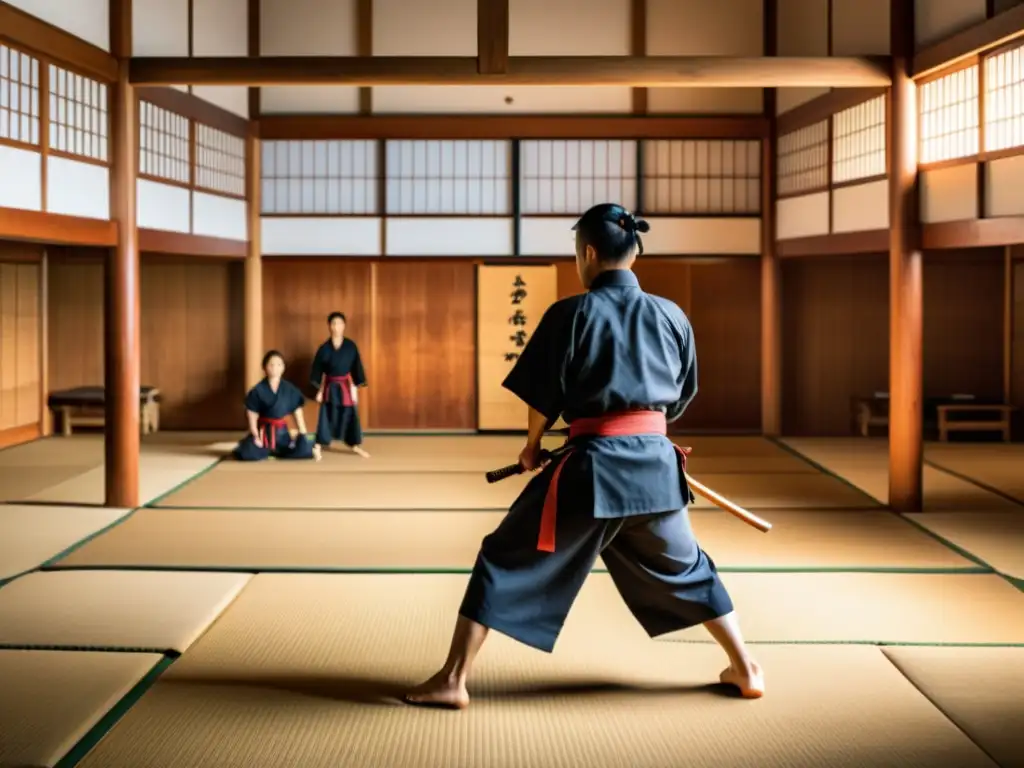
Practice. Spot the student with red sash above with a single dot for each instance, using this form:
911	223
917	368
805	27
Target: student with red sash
267	407
337	374
618	365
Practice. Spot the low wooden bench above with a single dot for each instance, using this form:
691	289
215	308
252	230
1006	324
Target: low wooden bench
984	418
940	415
84	407
870	412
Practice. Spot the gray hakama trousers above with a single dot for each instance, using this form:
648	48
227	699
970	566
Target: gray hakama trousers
666	580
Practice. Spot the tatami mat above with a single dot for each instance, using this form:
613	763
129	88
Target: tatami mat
329	490
994	537
114	609
80	450
50	699
157	476
317	661
22	483
87	448
297	540
69	470
222	487
979	689
997	465
32	534
865	464
789	491
873	607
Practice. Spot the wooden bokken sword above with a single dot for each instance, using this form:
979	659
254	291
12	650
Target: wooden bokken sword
699	488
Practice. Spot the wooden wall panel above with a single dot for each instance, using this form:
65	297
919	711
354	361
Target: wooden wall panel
963	322
725	309
192	341
190	326
414	322
19	344
75	307
425	332
722	298
835	339
836	333
298	294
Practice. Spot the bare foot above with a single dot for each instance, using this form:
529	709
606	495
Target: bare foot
749	681
441	692
317	453
359	451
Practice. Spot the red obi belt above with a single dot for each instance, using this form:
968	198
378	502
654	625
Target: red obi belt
610	425
344	383
268	429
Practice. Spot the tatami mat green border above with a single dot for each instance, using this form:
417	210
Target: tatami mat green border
780	442
875	643
183	483
1018	583
946	542
425	571
104	648
977	483
114	715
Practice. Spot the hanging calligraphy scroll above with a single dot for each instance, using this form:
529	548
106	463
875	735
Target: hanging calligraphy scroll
510	303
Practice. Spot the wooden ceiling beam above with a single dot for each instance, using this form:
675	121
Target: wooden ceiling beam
639	72
993	33
492	36
327	127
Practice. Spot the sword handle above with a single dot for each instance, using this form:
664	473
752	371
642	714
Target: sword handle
500	474
517	469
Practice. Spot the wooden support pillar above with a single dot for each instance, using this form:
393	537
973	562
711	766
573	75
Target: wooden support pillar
771	285
45	419
121	295
906	296
1008	325
253	264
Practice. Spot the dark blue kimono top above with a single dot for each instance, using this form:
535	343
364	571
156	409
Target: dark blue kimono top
614	348
338	362
262	400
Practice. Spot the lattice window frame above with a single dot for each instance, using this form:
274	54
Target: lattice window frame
21	97
165	145
802	160
218	162
539	179
859	142
949	117
1002	77
79	116
701	177
458	177
288	163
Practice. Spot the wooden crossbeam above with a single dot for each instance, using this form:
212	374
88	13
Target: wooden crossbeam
639	72
326	127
